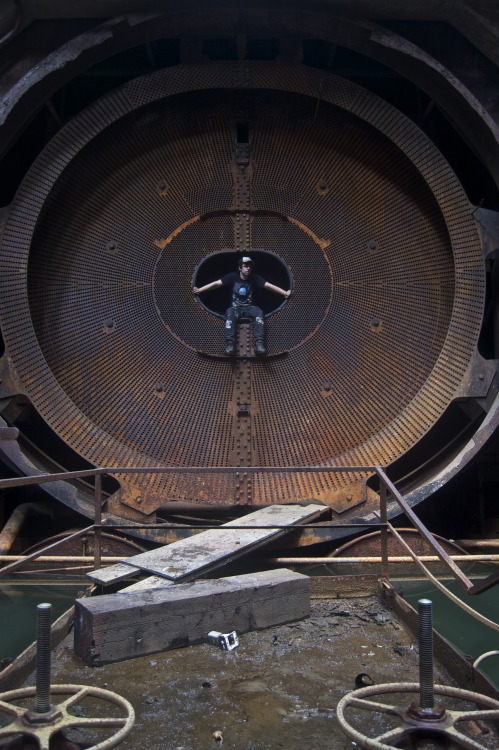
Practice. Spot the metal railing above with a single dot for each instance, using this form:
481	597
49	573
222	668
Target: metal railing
387	490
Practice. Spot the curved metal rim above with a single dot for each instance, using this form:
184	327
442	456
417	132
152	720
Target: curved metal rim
401	687
95	692
452	362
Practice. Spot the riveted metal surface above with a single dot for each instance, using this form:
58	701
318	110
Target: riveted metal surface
242	408
99	256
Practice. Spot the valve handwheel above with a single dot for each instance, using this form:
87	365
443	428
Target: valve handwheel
416	723
41	727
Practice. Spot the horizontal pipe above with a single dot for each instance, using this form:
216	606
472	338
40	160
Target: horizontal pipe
34	555
10	531
478	543
287	560
400	559
61	558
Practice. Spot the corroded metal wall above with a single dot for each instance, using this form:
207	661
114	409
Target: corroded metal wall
106	234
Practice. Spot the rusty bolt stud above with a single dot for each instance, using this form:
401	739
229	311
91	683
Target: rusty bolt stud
322	187
109	325
112	247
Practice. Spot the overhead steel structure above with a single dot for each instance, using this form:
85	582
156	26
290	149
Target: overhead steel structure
354	158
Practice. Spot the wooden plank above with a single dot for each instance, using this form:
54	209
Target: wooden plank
193	555
151	582
113	573
121	626
190	557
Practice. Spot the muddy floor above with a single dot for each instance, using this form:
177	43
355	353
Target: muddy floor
278	689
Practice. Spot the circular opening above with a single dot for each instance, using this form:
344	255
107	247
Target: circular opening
267	265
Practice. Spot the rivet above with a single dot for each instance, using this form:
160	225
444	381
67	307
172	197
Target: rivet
112	247
109	325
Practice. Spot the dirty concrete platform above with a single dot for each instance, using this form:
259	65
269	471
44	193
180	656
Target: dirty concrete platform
278	689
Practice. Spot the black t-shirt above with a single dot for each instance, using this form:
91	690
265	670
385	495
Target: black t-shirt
242	290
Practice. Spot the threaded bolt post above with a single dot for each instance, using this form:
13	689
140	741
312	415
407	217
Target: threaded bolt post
426	686
43	654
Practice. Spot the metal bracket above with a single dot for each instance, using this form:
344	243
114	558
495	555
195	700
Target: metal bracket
488	227
478	378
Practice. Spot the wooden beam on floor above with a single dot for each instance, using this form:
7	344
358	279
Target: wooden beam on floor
114	627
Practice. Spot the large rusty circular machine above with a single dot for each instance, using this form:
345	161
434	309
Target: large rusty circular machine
162	185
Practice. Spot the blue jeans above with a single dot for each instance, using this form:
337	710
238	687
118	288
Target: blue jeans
255	314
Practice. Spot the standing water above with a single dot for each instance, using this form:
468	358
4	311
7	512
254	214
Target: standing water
463	631
18	604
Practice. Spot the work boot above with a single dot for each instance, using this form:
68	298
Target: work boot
260	349
229	350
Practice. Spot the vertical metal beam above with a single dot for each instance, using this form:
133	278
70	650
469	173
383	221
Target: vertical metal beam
383	531
242	417
97	520
241	405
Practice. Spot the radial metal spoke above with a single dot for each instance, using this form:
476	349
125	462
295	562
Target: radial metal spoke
491	713
382	708
13	728
64	705
394	734
11	709
464	741
95	722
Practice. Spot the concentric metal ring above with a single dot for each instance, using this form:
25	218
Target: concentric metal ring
81	242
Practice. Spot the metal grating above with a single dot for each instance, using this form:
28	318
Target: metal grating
124	203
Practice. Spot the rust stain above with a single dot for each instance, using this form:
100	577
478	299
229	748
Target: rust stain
164	242
323	244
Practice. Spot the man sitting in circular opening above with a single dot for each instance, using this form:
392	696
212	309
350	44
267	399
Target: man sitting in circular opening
243	282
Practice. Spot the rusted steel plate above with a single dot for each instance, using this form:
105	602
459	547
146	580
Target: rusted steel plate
100	252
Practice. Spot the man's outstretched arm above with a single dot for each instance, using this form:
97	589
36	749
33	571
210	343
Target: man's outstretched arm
207	287
277	289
